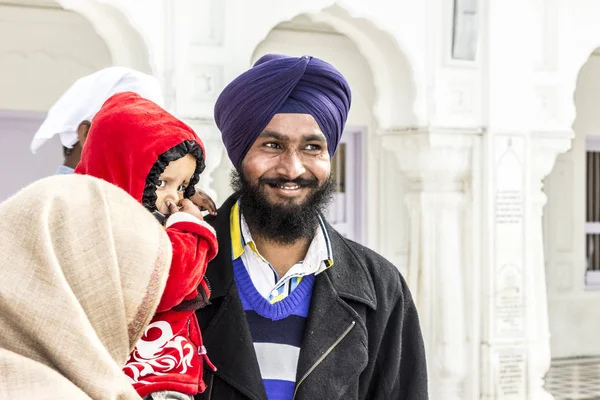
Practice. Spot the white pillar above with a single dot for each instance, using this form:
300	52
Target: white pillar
437	164
505	355
516	338
210	136
545	147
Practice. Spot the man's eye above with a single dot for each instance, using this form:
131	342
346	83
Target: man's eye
272	145
313	147
161	183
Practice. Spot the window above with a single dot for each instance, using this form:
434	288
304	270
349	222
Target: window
338	168
346	210
592	213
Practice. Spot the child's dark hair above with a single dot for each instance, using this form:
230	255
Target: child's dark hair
173	154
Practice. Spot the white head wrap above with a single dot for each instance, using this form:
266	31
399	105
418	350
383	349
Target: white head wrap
86	96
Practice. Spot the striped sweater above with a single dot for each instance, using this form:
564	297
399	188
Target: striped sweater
277	330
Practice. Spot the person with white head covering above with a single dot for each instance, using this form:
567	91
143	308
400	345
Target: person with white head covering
71	116
83	269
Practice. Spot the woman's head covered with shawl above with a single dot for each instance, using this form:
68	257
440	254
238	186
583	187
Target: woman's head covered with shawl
281	84
83	268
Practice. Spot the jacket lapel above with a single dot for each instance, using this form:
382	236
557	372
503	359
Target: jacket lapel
334	349
231	349
227	335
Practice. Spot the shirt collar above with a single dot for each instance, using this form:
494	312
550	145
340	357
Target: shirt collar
64	170
318	258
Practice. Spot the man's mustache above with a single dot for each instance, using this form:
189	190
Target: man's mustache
301	182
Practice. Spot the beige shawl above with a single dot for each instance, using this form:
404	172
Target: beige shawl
82	267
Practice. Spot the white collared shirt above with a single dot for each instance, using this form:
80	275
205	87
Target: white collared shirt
272	287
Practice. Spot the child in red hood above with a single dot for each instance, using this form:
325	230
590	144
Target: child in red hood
136	145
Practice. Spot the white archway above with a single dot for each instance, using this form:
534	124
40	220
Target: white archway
384	98
577	82
50	49
573	50
566	230
577	59
125	43
392	73
359	146
391	66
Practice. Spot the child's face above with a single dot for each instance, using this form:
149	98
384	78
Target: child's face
173	181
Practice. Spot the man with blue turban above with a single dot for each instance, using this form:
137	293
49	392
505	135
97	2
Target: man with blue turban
297	310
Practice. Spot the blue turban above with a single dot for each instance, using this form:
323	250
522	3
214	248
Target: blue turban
281	84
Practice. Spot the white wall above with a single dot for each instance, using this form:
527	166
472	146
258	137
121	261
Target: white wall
574	313
18	165
43	51
48	49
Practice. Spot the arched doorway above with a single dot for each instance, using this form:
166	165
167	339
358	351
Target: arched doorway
383	97
126	44
302	36
572	244
50	49
571	240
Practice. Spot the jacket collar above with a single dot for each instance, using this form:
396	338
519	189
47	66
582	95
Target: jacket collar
353	283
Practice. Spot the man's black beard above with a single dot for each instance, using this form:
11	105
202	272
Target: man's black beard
283	223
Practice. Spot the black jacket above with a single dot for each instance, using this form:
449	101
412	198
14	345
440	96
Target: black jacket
362	337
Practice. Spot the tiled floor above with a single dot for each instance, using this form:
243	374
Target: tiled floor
577	379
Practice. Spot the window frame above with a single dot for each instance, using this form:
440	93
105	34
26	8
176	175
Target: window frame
591	277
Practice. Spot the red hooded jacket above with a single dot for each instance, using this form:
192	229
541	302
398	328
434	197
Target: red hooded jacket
126	138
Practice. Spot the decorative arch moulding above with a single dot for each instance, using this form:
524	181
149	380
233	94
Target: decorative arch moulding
127	44
393	67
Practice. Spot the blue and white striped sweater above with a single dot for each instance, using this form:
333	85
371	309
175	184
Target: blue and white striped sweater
277	330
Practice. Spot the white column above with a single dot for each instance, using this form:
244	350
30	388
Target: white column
545	147
504	348
516	338
213	146
195	62
437	164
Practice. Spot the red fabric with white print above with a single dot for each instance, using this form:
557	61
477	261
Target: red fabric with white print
170	355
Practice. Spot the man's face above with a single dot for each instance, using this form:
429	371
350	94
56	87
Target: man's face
289	161
285	179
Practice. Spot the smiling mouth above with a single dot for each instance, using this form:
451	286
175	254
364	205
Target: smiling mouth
287	186
294	186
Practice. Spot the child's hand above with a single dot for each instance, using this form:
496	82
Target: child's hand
185	206
204	201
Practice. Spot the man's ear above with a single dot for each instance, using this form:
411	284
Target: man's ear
82	131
